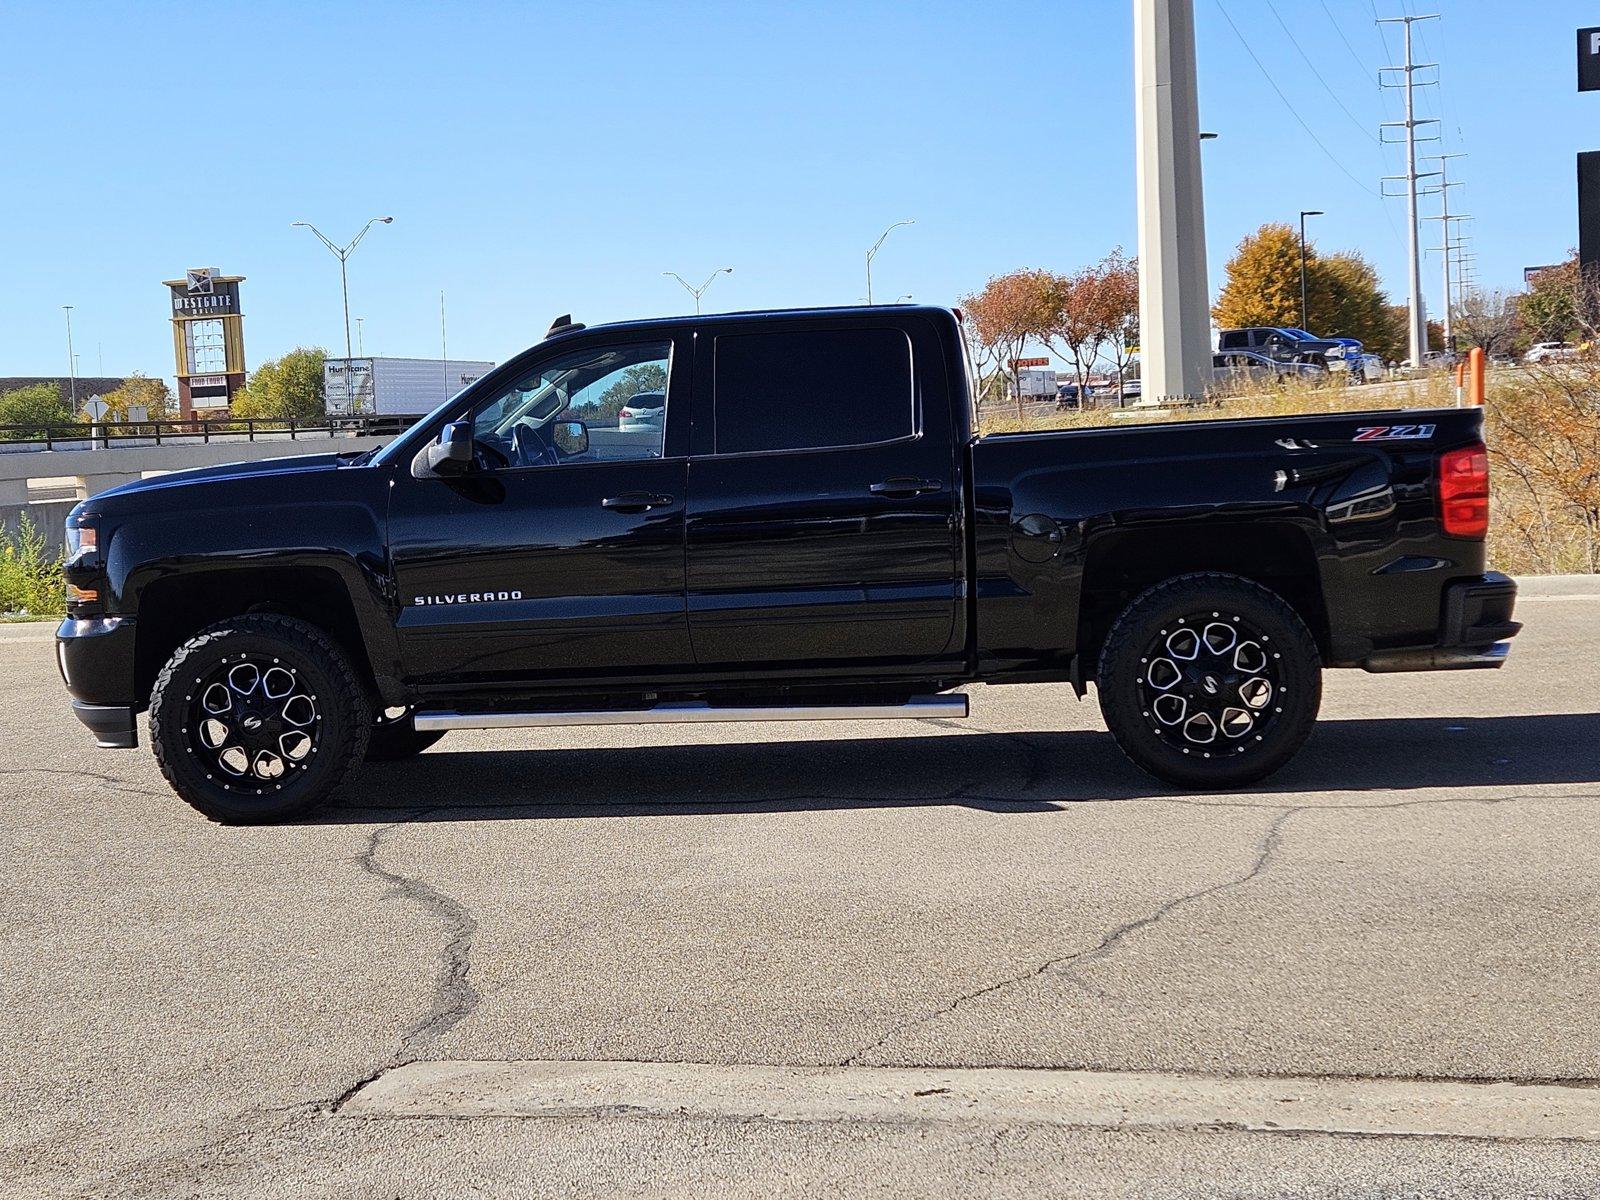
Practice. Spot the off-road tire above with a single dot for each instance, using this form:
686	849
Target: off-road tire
1279	727
395	741
322	672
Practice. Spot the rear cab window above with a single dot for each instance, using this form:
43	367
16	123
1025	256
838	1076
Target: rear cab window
812	389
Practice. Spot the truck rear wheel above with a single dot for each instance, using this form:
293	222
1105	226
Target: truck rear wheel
258	718
1210	681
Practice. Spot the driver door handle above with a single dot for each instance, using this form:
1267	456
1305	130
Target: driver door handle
636	502
903	486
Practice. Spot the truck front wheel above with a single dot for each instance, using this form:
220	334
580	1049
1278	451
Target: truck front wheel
258	718
1210	681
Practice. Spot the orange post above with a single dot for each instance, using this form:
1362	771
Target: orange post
1461	382
1477	375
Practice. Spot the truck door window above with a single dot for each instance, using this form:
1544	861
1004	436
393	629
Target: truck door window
812	389
618	392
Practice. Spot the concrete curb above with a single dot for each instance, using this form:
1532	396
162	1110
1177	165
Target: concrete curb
994	1095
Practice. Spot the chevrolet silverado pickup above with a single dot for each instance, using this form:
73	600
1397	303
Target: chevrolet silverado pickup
804	524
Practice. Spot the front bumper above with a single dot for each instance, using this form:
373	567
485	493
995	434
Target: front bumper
96	658
1475	630
113	725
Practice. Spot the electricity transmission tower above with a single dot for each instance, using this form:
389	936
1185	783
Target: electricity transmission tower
1418	322
1447	246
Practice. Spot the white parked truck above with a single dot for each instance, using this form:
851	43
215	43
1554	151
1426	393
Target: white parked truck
402	388
1037	384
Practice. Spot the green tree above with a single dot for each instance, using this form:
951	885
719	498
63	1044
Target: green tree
646	377
1560	305
282	389
1345	299
32	408
140	391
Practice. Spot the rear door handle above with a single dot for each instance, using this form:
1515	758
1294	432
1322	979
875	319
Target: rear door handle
905	486
636	502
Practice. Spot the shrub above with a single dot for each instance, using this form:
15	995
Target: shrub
1543	434
30	576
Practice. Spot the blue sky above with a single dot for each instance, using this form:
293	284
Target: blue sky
541	158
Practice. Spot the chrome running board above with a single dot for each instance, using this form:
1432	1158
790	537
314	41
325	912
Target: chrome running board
921	708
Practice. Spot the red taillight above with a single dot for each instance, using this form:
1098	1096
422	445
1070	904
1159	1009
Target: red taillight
1464	491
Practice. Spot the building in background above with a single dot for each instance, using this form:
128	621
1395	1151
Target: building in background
207	340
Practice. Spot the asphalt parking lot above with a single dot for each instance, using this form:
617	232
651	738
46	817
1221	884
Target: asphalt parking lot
1393	944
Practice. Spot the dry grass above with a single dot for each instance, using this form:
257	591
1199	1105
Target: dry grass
1542	427
1287	400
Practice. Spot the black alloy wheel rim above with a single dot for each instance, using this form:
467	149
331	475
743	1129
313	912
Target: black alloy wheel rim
1211	686
252	723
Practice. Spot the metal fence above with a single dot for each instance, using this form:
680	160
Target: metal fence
115	434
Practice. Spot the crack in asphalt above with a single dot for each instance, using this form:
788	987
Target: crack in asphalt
116	784
1066	964
454	996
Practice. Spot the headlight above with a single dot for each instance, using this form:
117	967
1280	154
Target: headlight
81	539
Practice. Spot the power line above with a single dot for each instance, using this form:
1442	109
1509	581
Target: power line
1337	28
1311	133
1354	120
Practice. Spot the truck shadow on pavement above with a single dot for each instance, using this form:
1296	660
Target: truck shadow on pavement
996	772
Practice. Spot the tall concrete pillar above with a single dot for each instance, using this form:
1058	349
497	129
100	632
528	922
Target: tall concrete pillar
1174	298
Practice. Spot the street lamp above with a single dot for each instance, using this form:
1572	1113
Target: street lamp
1309	212
876	246
342	253
72	359
697	292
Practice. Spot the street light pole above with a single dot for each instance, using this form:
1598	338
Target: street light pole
1304	213
72	359
697	292
876	246
342	253
361	342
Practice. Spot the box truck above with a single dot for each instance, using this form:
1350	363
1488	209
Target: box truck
398	388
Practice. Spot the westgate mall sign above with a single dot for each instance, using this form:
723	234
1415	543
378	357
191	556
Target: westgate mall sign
202	294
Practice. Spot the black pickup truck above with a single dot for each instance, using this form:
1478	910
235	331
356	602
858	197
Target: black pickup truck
794	520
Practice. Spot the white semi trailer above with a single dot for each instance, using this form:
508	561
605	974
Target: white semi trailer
401	388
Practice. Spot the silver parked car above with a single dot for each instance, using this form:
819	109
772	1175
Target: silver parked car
1234	367
643	412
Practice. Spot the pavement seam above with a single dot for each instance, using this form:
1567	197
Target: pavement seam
1064	965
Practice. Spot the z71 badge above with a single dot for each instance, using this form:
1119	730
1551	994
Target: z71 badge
1393	433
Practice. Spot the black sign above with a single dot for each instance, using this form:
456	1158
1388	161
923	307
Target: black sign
221	300
1589	209
1589	59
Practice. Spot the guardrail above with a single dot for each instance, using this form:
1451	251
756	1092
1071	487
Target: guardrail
110	434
